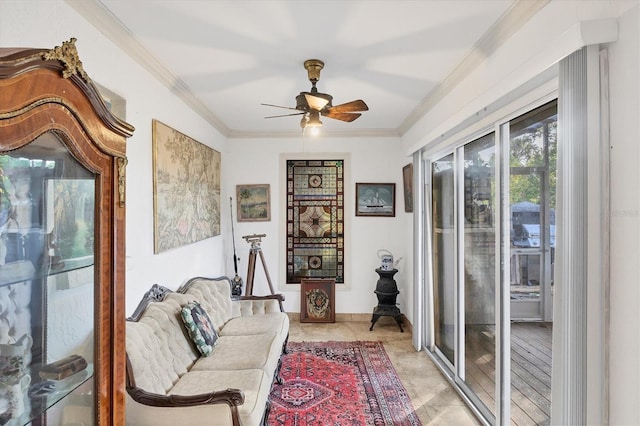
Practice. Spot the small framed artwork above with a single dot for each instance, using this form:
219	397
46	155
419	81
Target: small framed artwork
317	300
376	199
254	203
407	180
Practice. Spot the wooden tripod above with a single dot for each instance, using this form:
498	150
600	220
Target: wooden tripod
255	241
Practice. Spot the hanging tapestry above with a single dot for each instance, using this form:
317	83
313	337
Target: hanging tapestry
315	220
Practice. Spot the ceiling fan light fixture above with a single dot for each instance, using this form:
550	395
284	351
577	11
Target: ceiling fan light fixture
311	123
311	105
314	120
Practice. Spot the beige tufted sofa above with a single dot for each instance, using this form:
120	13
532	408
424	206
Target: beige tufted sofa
169	383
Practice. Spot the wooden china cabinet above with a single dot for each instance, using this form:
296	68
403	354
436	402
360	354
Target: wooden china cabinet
62	243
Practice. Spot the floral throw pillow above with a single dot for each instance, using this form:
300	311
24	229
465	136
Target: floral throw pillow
199	326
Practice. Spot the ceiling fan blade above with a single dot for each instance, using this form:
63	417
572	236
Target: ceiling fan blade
342	116
279	106
316	102
286	115
352	106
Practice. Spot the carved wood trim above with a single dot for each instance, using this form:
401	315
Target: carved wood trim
229	396
122	178
68	55
155	294
18	62
184	287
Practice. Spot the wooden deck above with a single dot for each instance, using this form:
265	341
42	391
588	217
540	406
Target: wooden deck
530	370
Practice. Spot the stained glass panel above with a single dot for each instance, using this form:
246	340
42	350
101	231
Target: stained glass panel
315	220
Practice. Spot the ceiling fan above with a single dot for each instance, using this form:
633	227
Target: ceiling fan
311	105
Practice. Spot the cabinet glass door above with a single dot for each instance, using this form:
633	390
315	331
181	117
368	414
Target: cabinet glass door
47	245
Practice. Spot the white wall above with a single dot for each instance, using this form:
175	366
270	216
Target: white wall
624	348
538	45
47	24
252	161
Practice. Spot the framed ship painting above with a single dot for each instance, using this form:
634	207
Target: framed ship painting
376	199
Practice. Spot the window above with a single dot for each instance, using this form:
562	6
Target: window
315	220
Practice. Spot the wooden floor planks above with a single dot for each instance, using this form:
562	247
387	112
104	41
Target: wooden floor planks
530	371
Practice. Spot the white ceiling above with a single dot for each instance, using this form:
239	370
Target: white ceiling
225	58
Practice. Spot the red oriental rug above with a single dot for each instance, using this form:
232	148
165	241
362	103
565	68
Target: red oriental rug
339	384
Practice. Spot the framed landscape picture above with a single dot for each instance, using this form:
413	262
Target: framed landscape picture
376	199
254	203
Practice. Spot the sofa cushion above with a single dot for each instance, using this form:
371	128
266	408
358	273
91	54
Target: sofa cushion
253	382
277	322
158	345
151	360
242	308
215	298
260	351
199	327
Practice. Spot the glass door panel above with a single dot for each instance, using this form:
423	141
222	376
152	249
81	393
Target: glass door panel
444	255
532	188
47	212
532	198
479	262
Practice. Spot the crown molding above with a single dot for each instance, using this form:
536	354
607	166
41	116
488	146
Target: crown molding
103	20
509	23
324	133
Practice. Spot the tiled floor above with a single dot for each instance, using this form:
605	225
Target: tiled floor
435	402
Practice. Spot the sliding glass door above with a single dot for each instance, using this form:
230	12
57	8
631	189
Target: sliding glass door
479	268
464	265
444	256
492	203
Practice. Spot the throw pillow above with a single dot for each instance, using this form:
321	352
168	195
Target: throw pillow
200	328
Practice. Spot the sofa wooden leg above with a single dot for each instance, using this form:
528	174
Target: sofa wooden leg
276	376
265	417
